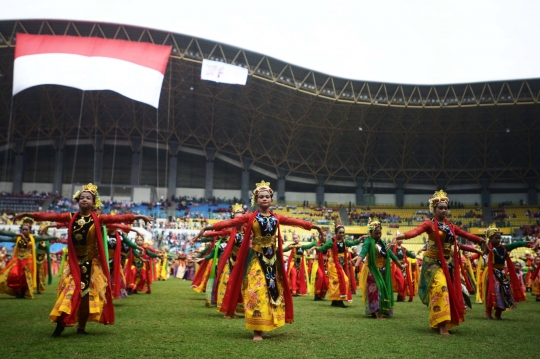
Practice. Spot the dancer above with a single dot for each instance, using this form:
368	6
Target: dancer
402	279
139	266
339	289
19	277
84	289
117	243
43	258
376	274
520	275
297	273
535	278
501	293
259	272
226	264
319	277
440	280
200	280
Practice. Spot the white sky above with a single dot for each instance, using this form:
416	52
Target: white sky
421	42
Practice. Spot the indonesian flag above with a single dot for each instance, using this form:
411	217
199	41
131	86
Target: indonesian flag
133	69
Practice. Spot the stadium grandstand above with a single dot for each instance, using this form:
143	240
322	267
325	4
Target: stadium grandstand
333	148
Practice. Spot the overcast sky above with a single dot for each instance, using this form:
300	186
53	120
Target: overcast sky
407	42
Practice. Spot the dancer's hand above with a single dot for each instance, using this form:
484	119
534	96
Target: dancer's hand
21	216
146	219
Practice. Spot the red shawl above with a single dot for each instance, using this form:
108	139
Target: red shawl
321	286
339	269
397	274
457	305
127	269
199	276
234	285
117	266
224	259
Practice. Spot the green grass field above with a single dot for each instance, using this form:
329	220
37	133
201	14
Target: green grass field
173	322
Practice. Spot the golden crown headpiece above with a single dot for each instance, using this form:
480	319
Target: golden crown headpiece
438	197
260	187
43	226
91	188
237	207
373	224
491	230
28	221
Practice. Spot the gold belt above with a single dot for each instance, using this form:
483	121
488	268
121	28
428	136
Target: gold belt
264	241
341	254
498	266
435	255
297	256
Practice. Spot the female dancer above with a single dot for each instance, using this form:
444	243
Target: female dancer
259	272
402	279
500	293
297	273
319	278
376	275
440	280
139	265
19	278
206	259
87	277
535	279
226	263
339	289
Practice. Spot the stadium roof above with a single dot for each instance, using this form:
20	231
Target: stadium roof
289	120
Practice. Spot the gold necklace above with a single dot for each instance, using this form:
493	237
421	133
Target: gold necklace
82	221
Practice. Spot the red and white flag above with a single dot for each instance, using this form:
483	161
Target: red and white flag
133	69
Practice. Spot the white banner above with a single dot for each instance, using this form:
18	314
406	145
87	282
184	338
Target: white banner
223	73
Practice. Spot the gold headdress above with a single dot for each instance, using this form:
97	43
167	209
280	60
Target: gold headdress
90	188
373	224
438	197
261	186
338	224
491	230
237	207
28	221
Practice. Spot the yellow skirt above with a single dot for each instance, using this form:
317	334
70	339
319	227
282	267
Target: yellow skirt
42	277
313	277
439	307
66	289
260	313
480	286
333	281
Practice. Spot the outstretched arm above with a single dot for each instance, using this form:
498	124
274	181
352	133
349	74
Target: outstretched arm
7	233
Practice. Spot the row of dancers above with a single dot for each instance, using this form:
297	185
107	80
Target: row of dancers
244	270
250	276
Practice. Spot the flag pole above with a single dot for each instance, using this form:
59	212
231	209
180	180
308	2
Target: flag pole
6	152
77	141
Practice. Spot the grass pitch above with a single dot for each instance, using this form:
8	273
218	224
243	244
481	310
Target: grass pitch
173	322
